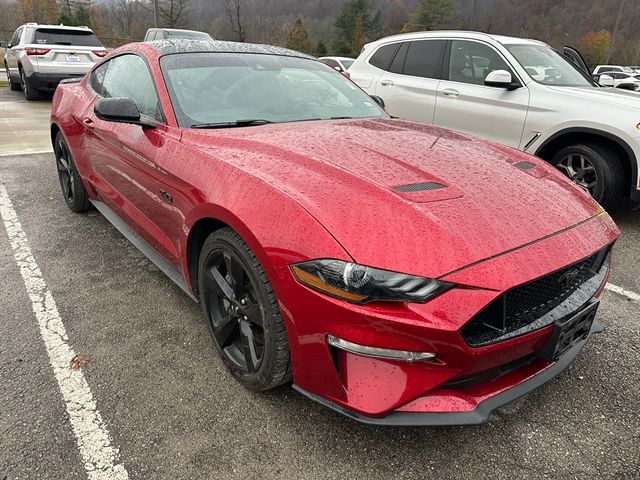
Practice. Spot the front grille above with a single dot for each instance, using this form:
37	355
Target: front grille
538	303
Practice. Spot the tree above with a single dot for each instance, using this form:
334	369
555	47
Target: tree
321	49
298	38
356	24
171	11
235	13
595	46
41	11
431	14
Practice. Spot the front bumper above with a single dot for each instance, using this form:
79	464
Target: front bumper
473	417
462	384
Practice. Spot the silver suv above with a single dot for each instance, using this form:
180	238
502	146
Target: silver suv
40	56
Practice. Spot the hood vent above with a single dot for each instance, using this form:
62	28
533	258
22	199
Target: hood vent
419	187
525	165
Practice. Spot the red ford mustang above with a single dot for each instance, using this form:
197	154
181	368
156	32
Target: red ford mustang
399	273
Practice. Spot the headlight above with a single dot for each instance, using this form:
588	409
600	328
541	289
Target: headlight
359	284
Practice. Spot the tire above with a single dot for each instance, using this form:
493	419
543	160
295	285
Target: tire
603	162
70	183
235	324
14	86
29	92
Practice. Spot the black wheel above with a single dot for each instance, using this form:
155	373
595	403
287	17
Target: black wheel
596	168
242	312
29	92
15	86
70	183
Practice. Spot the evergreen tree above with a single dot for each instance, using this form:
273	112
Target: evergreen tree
321	49
432	14
356	25
298	38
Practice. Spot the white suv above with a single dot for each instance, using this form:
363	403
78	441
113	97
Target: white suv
40	56
517	92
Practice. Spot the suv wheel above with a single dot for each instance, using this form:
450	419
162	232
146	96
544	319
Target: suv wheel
29	93
596	168
15	86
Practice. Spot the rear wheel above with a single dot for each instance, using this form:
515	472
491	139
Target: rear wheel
29	92
15	86
242	311
596	168
70	183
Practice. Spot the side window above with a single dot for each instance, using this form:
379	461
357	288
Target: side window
15	40
97	77
129	76
471	62
425	58
331	63
153	35
397	66
382	57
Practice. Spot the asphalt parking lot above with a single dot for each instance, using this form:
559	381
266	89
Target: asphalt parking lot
172	411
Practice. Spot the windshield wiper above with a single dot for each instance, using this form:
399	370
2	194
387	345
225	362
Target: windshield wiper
237	123
341	118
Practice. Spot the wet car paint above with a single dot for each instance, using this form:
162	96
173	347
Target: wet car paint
293	196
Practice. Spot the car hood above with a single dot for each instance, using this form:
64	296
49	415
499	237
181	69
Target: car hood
609	96
404	196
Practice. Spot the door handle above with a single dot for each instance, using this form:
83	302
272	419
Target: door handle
387	83
87	122
450	92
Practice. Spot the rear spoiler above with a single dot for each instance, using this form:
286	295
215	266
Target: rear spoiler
71	80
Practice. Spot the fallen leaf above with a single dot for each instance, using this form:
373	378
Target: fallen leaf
78	361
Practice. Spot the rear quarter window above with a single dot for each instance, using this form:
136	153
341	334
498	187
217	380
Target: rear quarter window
58	36
383	56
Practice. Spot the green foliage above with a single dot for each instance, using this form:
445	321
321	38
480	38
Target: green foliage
79	17
321	49
432	14
595	46
298	38
356	25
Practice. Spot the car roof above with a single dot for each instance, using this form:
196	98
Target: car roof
460	34
337	58
180	45
178	30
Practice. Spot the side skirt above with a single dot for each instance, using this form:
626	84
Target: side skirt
148	251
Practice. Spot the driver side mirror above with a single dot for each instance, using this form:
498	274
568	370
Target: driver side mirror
4	44
121	110
607	81
500	79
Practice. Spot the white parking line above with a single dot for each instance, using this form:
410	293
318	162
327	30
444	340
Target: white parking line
621	291
99	456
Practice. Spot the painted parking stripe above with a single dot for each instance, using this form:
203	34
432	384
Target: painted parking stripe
621	291
94	442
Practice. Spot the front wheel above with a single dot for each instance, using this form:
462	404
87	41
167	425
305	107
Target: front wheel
15	86
242	311
594	167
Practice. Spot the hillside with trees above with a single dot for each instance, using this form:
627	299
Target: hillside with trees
343	26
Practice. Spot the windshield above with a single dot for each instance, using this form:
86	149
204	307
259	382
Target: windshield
215	88
63	36
548	67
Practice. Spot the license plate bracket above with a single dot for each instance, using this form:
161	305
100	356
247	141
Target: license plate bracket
568	332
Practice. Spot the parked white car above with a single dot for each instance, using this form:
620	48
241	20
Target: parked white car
517	92
600	69
38	57
622	77
341	64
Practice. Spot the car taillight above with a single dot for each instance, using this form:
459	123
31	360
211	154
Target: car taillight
346	74
99	53
36	51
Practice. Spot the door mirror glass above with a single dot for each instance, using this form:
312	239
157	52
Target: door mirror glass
499	79
120	110
607	81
